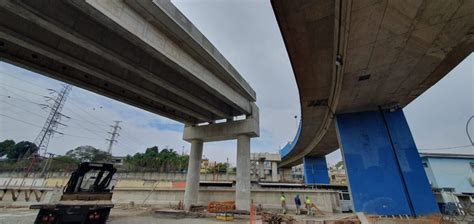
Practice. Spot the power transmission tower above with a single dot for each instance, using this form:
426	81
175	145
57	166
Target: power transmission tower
55	104
47	164
114	134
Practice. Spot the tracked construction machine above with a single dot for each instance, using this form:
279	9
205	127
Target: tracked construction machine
87	197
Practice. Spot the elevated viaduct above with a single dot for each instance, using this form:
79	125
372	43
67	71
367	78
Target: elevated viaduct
144	53
357	64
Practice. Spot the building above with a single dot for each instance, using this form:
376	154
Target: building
337	175
204	165
451	176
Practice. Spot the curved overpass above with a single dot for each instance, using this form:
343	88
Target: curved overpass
353	56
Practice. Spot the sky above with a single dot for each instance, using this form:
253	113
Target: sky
247	34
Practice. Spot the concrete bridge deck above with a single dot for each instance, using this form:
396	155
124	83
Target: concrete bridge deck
144	53
352	56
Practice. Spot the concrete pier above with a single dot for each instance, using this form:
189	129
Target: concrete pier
261	168
192	177
275	172
386	176
315	170
242	191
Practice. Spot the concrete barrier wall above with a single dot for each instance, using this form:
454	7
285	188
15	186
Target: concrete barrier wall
269	199
285	174
161	193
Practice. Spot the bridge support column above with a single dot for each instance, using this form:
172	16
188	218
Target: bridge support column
242	187
192	177
261	169
275	176
242	130
384	169
315	170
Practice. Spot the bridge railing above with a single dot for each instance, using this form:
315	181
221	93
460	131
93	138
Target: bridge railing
290	145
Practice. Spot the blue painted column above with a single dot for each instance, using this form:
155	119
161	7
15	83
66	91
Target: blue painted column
315	170
384	170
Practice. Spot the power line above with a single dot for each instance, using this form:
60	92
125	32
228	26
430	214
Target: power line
5	86
22	121
133	139
24	99
38	126
44	117
15	77
92	116
73	119
31	112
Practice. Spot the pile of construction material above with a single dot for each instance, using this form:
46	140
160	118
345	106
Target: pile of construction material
221	206
275	218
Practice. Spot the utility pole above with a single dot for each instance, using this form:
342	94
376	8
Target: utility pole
114	134
55	104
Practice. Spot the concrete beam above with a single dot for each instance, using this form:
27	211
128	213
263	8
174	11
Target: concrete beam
226	130
176	56
166	14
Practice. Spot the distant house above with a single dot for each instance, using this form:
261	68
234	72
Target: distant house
451	176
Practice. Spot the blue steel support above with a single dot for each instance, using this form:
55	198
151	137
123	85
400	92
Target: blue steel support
384	169
414	176
315	170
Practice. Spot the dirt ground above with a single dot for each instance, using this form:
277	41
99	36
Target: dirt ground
117	216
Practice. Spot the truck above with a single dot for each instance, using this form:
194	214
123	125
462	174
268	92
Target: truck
86	198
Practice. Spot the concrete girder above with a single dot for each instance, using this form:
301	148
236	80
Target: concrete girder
80	40
167	88
65	59
179	59
158	12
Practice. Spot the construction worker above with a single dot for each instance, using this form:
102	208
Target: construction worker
298	204
283	202
308	204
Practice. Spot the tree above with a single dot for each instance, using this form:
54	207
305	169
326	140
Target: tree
63	163
22	149
339	165
88	154
220	167
166	160
6	146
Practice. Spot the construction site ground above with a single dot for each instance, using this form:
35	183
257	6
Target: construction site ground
148	216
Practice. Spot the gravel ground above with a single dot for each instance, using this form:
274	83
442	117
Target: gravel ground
117	216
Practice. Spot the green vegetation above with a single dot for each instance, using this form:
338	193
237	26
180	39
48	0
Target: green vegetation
166	160
15	151
218	168
88	154
153	159
339	165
